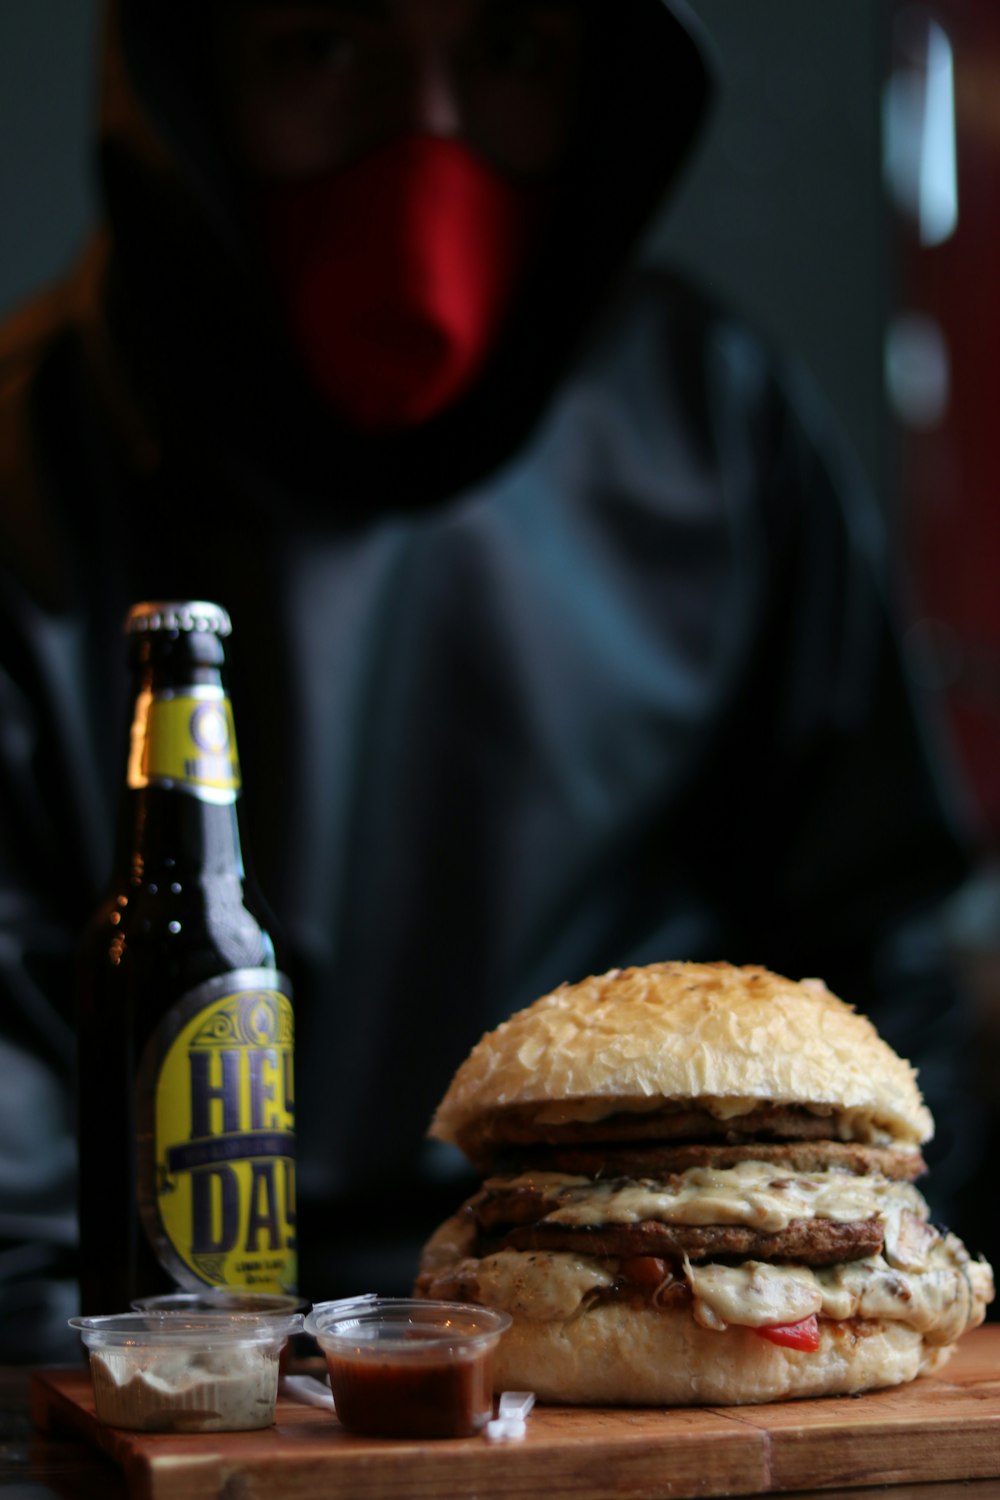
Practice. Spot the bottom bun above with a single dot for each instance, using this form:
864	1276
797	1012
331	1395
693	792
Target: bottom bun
616	1355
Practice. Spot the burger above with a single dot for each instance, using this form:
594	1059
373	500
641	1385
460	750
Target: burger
699	1188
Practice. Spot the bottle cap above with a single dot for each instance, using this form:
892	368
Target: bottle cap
195	615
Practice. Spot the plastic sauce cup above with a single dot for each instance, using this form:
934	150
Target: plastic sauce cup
403	1367
186	1372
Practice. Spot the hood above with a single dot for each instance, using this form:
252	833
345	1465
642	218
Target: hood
191	310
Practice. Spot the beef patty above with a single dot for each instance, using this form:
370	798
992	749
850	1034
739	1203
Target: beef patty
511	1212
520	1125
809	1242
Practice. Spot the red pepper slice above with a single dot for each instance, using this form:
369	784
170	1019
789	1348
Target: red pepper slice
801	1335
643	1270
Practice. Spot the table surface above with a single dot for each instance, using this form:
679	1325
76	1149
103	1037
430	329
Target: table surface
37	1466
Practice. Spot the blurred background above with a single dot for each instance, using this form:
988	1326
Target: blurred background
845	199
782	210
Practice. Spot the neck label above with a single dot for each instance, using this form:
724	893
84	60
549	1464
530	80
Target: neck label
184	738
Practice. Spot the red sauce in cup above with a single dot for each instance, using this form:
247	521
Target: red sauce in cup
438	1396
409	1368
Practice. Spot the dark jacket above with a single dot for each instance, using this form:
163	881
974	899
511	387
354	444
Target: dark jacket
595	669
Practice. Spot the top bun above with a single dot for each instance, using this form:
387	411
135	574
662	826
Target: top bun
729	1038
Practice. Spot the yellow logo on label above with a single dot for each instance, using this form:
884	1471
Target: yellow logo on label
185	738
223	1144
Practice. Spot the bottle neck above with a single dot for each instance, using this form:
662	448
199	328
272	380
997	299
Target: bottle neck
180	807
164	829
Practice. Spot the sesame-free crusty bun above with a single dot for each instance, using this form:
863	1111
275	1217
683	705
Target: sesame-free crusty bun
682	1050
620	1356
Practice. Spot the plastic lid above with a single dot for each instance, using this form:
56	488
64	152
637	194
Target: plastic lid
185	1330
196	615
219	1299
406	1327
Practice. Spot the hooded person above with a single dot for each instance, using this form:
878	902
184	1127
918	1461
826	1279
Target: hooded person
560	613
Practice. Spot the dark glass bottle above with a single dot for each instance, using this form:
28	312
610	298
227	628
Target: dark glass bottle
186	1103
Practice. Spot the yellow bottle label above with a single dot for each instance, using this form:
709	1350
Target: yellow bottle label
216	1112
184	737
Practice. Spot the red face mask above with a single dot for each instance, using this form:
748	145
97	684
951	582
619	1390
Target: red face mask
396	273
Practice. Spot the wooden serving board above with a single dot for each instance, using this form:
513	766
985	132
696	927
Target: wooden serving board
942	1427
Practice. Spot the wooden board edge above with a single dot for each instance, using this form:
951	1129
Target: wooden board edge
723	1458
779	1449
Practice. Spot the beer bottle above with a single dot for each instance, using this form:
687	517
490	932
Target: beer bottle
186	1104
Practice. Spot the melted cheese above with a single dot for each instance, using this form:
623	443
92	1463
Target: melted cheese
544	1284
757	1194
941	1301
752	1294
920	1278
937	1300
